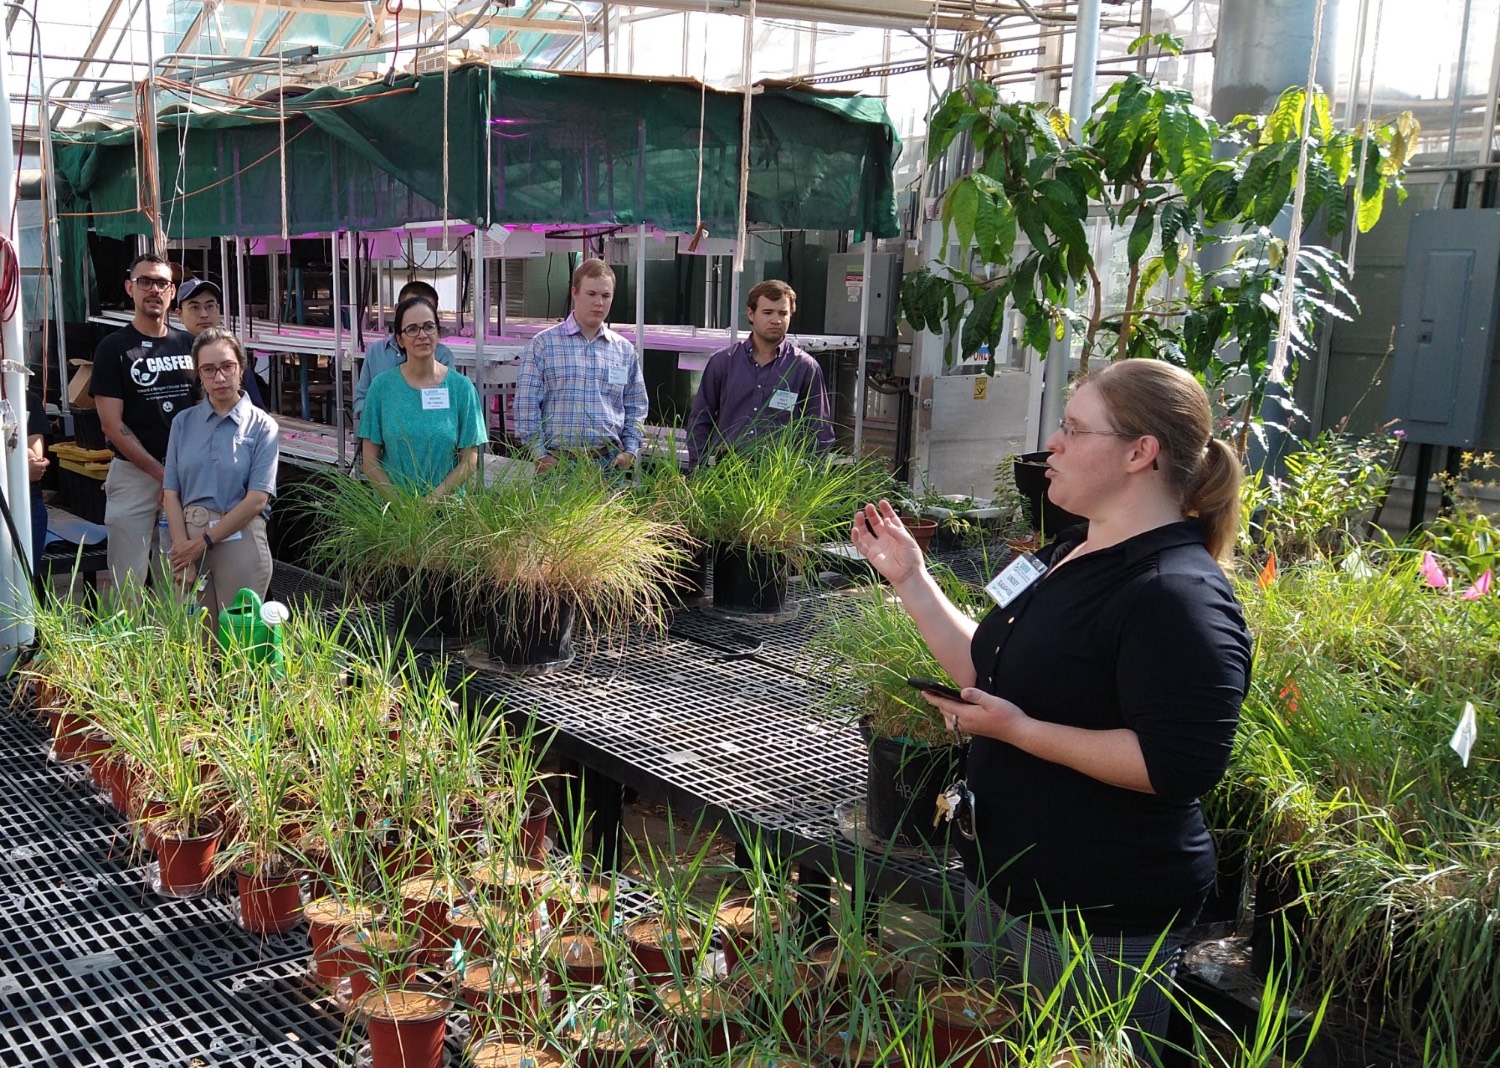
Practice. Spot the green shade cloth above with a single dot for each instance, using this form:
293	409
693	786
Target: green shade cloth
523	147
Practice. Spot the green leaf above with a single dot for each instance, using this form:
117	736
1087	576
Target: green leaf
982	327
1369	211
1141	233
1188	145
986	224
964	199
1285	121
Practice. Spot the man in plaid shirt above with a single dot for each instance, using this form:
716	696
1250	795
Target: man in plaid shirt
580	392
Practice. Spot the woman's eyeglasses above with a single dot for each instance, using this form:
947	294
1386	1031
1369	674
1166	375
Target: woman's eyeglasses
1071	430
218	370
418	329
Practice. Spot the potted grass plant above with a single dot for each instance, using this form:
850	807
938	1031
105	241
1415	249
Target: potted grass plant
868	646
766	508
548	557
388	545
260	774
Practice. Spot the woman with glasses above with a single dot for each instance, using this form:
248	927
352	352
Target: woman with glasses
219	480
1101	695
422	425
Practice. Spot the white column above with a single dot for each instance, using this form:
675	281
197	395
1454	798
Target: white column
16	629
864	343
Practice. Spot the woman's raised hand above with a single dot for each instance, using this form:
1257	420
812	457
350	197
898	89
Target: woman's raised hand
882	539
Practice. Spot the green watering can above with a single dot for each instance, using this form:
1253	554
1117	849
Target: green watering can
251	629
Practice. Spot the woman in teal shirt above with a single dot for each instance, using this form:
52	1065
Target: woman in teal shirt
422	426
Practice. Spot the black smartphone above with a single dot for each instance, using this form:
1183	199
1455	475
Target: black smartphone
937	689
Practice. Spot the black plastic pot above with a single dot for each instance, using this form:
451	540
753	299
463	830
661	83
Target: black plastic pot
431	611
902	782
687	585
1046	518
750	581
530	636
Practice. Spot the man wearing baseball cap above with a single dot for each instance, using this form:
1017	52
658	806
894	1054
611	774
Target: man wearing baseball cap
200	305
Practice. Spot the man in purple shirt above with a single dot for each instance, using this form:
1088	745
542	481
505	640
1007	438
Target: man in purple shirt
762	383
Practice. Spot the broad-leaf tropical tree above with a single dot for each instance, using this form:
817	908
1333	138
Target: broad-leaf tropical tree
1151	163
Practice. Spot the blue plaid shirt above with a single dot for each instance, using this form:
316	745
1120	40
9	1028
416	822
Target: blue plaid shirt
573	393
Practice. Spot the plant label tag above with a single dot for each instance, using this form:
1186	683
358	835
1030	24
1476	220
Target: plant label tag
435	399
618	376
783	400
1465	733
1009	584
233	537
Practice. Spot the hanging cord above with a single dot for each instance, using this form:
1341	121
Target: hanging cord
1294	237
286	232
749	58
699	230
1365	132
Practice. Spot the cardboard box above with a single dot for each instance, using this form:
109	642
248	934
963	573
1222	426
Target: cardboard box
78	385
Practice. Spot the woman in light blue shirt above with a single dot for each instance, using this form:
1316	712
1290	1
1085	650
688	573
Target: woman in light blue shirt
422	425
220	478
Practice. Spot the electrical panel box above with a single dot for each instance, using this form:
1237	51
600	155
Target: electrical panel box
846	283
1445	333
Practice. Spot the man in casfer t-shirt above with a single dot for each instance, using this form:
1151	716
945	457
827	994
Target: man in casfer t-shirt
143	376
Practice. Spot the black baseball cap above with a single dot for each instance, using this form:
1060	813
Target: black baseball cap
197	288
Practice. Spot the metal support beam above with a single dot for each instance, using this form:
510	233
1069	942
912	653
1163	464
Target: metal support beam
861	369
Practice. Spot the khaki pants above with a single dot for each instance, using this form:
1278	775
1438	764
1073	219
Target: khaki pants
230	566
132	506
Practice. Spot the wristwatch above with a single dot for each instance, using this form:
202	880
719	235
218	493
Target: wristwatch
207	541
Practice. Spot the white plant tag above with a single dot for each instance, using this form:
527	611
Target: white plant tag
435	399
1021	573
1465	733
783	400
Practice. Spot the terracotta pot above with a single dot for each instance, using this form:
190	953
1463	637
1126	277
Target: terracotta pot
796	1005
121	777
67	736
661	949
774	1058
185	862
847	967
150	809
534	821
96	747
372	954
702	1019
406	1028
427	903
329	920
510	881
269	903
577	898
581	958
504	1001
489	929
922	530
625	1045
500	1053
846	1049
962	1018
743	925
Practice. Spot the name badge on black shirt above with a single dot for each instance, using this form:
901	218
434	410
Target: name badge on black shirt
1010	583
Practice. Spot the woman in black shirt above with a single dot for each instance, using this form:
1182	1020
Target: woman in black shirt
1102	697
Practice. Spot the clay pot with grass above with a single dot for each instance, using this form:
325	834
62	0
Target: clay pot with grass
966	1022
406	1027
663	946
701	1018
